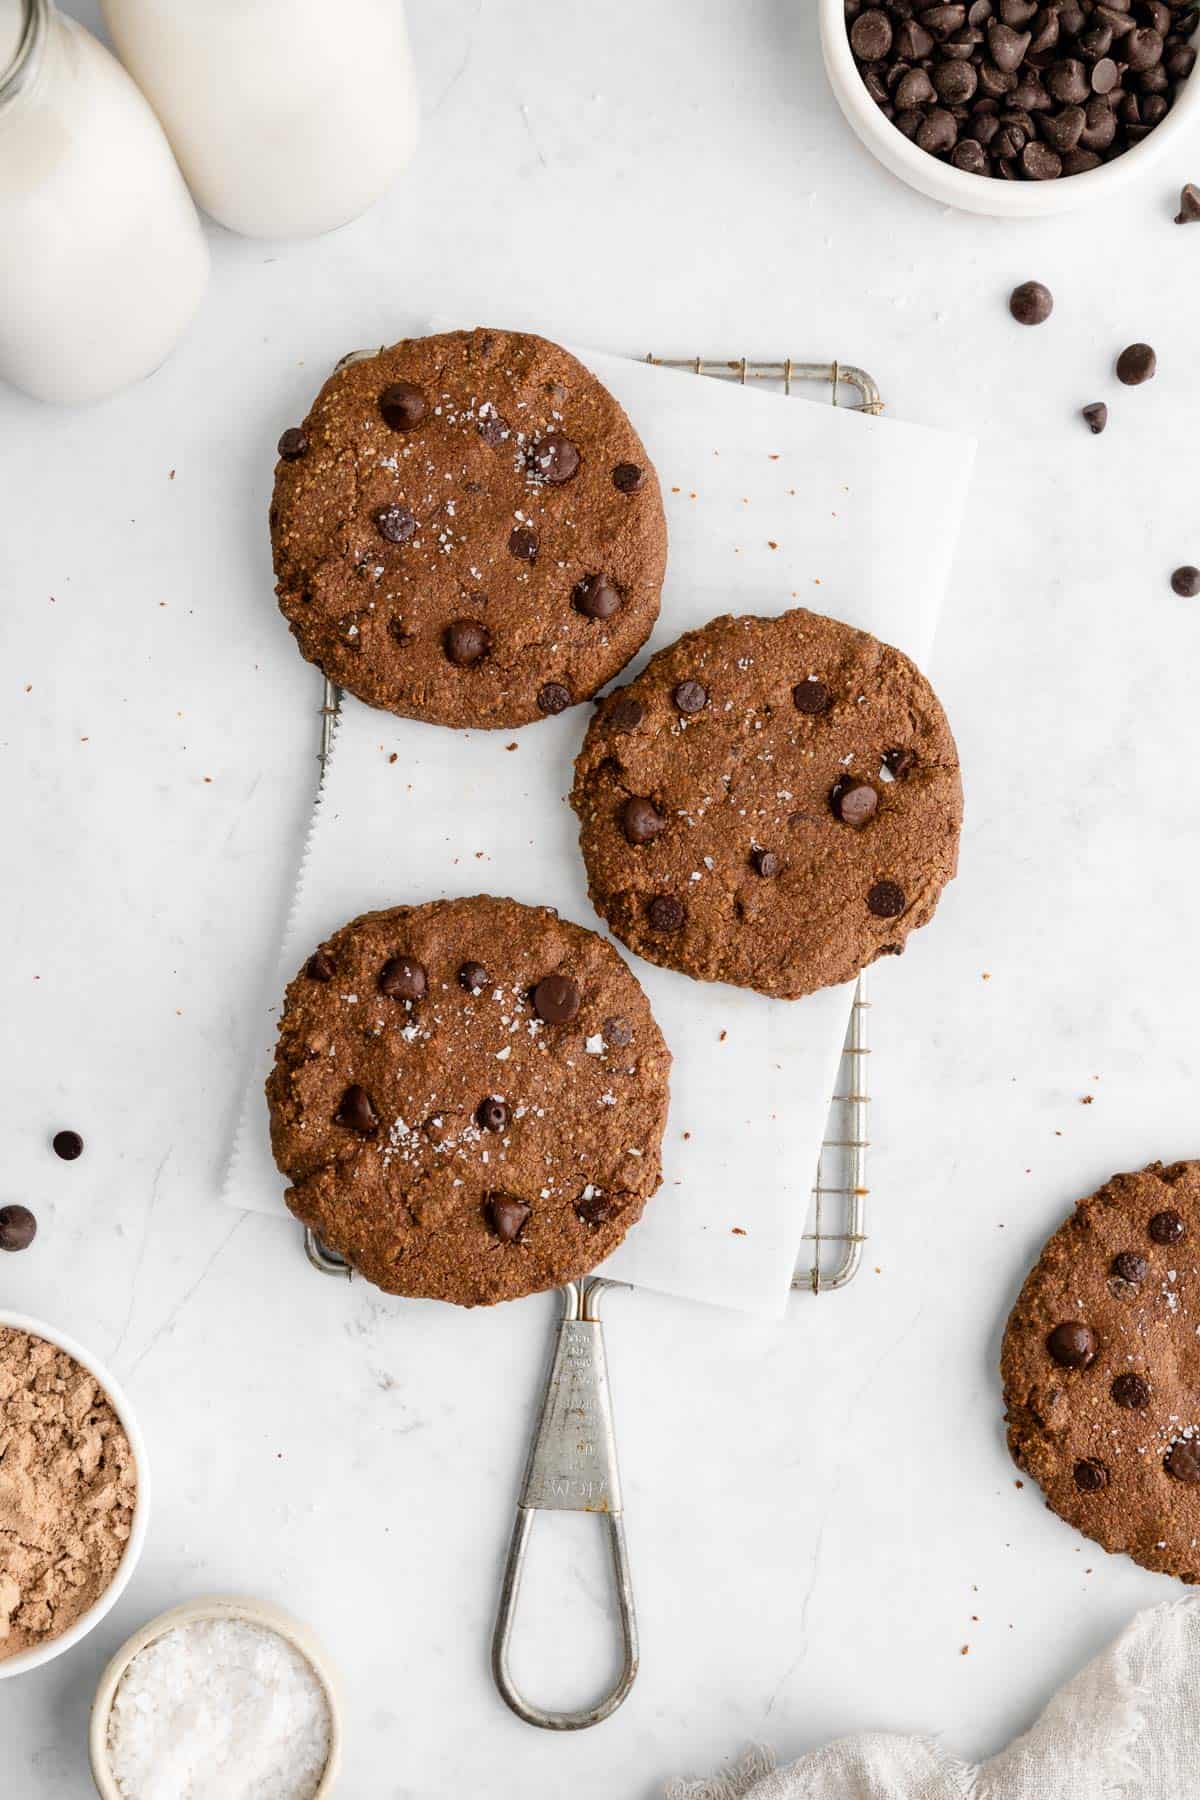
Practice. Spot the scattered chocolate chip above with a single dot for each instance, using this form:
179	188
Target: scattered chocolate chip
18	1227
472	976
594	1209
1040	163
506	1216
666	913
1182	1461
395	523
356	1112
617	1032
764	863
1167	1228
1097	417
1136	363
871	35
690	698
1186	582
899	763
1072	1344
556	999
403	978
293	444
1131	1391
625	715
641	820
403	405
628	478
523	543
1189	205
466	641
492	428
596	597
1090	1475
320	966
855	803
554	459
553	697
811	696
886	900
491	1114
67	1144
1128	1266
1031	303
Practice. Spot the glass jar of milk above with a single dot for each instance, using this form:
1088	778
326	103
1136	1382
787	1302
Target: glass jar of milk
288	117
103	261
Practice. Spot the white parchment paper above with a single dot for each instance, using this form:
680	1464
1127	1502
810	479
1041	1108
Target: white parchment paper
771	503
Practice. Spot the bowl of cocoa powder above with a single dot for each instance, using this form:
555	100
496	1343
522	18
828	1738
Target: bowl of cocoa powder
74	1493
1017	108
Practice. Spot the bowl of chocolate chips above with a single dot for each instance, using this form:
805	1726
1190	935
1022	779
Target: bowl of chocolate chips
1012	107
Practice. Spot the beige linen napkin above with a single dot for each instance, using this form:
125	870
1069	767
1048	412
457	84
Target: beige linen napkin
1126	1727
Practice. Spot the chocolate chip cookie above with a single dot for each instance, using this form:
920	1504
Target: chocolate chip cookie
467	529
772	802
468	1098
1101	1369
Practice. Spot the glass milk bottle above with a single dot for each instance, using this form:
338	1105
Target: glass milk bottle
102	258
288	117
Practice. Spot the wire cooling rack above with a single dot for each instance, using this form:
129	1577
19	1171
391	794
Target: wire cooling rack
836	1228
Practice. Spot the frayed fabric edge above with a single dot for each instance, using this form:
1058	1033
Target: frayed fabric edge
733	1782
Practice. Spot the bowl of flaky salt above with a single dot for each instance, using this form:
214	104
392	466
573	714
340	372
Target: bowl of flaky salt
219	1699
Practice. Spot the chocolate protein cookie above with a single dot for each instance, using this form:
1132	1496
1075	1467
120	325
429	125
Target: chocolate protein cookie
468	1098
1101	1369
773	803
467	529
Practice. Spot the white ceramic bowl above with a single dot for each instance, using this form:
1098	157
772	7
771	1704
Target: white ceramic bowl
44	1653
217	1606
985	193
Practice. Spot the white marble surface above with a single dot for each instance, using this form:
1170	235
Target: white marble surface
818	1511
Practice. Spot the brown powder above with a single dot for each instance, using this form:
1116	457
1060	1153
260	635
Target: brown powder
67	1488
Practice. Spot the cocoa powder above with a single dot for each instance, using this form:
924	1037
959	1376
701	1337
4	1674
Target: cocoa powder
68	1483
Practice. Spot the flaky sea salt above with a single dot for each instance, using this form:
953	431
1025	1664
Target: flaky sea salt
219	1710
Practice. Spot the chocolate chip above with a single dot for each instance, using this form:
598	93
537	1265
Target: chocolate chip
293	444
641	820
854	803
912	41
913	89
554	459
690	698
556	999
666	913
18	1227
1186	581
811	696
403	978
403	405
506	1216
67	1144
523	543
1128	1266
466	641
1142	49
1090	1475
1167	1228
938	131
473	977
320	966
764	863
955	82
491	1114
1136	363
492	428
1130	1391
886	900
1189	205
625	715
1097	417
628	478
594	1209
553	697
395	523
899	763
871	35
1041	163
1072	1344
596	597
970	157
1182	1461
356	1112
617	1032
1007	46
